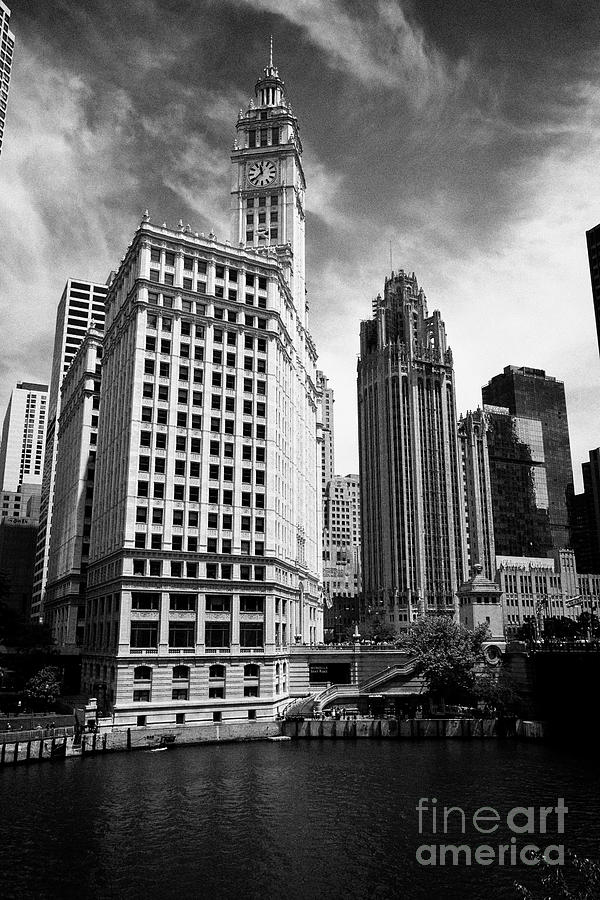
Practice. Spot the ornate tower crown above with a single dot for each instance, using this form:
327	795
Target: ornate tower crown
269	89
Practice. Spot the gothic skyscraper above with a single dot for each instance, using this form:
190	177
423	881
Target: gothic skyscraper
412	506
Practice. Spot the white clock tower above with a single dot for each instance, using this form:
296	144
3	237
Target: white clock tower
268	185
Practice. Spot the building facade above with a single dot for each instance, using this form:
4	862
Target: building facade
205	558
327	432
64	604
585	517
412	503
472	435
17	552
7	46
342	583
81	306
593	248
533	395
534	589
23	437
519	484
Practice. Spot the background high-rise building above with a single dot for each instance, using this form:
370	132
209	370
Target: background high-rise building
519	484
412	504
472	434
81	305
23	436
7	45
64	600
585	517
593	247
341	554
205	558
531	394
327	431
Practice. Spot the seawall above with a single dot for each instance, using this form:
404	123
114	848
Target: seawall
46	749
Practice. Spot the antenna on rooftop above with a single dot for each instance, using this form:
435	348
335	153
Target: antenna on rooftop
391	260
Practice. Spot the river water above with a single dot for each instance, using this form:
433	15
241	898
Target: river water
306	819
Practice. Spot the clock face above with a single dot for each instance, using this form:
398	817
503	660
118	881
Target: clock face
262	172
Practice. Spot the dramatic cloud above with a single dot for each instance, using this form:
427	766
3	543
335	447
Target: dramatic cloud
462	139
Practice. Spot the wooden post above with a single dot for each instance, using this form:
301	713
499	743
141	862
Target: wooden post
129	739
104	742
16	753
41	751
2	753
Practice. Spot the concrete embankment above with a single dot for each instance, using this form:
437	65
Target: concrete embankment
411	728
38	750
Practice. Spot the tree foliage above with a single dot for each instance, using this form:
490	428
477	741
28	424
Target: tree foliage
578	879
378	630
44	688
446	653
496	688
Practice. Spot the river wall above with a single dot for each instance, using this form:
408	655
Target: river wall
69	746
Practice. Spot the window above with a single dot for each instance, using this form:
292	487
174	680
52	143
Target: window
139	566
179	694
176	569
142	673
145	439
217	717
217	634
159	490
144	634
251	690
142	488
181	673
155	564
141	697
251	634
216	692
218	602
140	720
252	603
181	634
155	544
251	670
141	514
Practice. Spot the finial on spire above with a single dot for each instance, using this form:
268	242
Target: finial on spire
271	53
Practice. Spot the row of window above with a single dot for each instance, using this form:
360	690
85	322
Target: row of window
182	635
157	568
182	673
194	421
150	600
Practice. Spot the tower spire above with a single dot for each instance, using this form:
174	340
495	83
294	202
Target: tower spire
271	54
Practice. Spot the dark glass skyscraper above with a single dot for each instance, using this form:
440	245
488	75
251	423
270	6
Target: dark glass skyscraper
519	484
593	245
530	394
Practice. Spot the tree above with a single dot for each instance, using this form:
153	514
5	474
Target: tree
446	653
44	688
379	631
496	688
577	878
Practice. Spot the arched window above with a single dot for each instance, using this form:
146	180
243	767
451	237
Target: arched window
216	672
277	669
181	672
251	671
142	673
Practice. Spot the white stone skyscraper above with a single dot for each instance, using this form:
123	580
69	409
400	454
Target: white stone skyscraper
412	505
23	436
205	558
7	45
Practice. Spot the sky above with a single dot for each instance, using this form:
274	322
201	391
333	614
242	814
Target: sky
457	140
